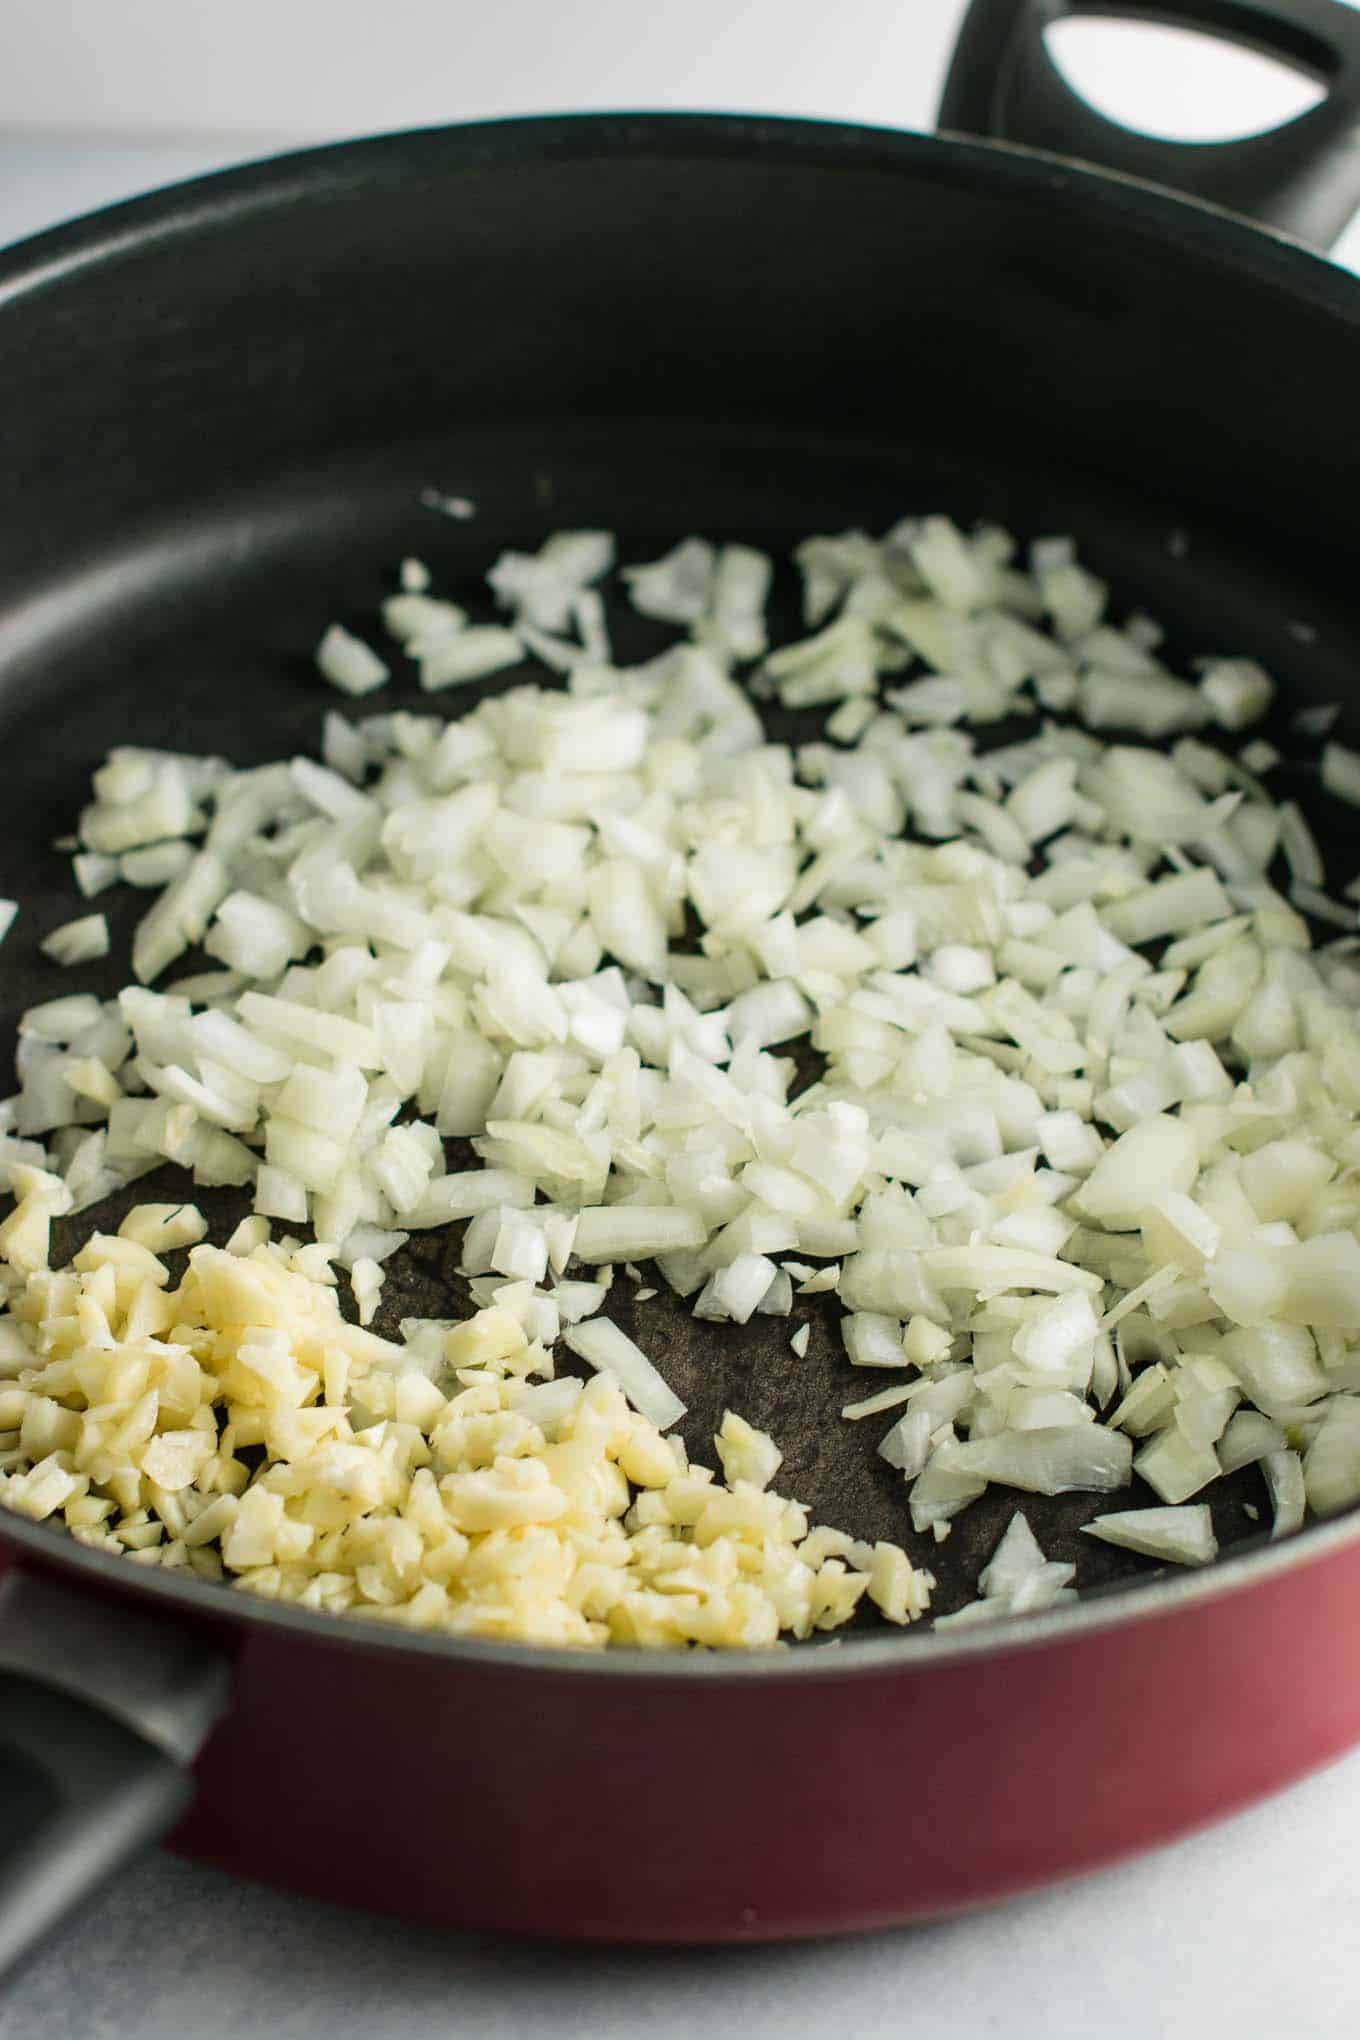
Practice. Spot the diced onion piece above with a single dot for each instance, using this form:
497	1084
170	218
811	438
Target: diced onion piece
1183	1536
635	1232
1341	772
1175	1467
348	663
1331	1465
80	941
1016	1558
1049	1461
1158	1155
1285	1485
1238	691
467	655
603	1346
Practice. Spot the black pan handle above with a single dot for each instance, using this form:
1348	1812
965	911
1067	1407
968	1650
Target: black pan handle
102	1709
1302	177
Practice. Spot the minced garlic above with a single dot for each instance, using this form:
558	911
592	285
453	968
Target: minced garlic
477	1493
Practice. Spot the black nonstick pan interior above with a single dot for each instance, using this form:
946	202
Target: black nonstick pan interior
192	502
203	641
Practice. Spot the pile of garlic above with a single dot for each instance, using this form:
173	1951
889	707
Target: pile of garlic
453	1482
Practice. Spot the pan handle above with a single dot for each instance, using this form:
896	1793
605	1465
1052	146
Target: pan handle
1302	177
102	1709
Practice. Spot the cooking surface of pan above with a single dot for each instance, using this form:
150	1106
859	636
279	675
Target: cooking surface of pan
202	641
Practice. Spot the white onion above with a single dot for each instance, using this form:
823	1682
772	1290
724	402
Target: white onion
1049	1460
1287	1490
1185	1536
486	922
604	1347
80	941
348	663
1341	772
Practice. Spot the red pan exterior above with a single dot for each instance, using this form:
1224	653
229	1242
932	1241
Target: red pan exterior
641	1808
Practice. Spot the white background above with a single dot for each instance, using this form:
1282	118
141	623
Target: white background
262	69
1250	1929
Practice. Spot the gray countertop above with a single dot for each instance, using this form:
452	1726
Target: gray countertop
1247	1929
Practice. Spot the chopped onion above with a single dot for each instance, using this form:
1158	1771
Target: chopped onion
79	941
1048	1461
1184	1536
604	1347
1341	773
1089	1199
1285	1485
348	663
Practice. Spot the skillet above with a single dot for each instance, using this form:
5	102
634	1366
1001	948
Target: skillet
219	408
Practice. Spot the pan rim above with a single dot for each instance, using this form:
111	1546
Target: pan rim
202	205
205	202
1247	1566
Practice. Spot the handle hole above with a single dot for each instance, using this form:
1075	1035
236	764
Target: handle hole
1176	83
